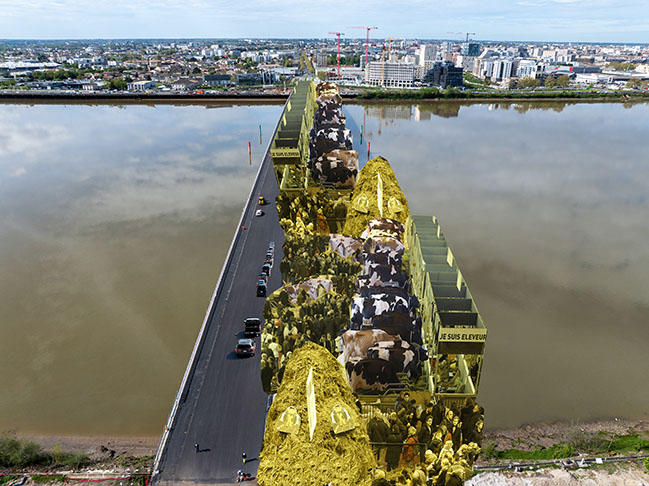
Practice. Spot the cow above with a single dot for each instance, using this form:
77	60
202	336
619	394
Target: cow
385	224
382	259
370	374
398	325
384	244
355	343
376	275
402	356
365	309
345	246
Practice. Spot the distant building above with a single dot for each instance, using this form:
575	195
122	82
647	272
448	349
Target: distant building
321	58
390	74
218	79
427	52
527	68
95	86
502	69
140	85
471	49
445	74
184	85
255	79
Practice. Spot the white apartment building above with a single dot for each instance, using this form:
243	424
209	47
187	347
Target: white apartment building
527	68
391	74
502	69
427	52
483	68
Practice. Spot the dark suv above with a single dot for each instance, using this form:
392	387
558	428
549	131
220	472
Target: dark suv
251	327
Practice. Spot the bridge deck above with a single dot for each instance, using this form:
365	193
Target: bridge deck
222	406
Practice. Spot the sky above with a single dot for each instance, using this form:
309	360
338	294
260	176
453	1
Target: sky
625	21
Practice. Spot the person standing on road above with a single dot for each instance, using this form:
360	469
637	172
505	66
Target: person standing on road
197	448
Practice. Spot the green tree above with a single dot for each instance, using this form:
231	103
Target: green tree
563	81
622	66
550	82
633	83
528	83
116	84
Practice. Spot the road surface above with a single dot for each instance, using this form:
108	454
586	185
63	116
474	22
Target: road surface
223	407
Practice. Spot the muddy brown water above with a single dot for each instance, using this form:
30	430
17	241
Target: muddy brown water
115	221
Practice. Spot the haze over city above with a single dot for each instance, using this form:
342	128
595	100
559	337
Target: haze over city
531	20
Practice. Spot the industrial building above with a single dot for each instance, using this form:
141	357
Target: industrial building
390	74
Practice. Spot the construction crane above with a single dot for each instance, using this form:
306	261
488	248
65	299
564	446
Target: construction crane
389	44
383	65
338	34
466	33
367	41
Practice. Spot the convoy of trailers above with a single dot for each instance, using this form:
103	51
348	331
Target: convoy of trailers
452	329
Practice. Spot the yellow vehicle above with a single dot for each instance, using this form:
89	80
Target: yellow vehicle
262	201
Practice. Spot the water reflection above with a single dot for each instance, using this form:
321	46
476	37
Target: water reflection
115	222
545	206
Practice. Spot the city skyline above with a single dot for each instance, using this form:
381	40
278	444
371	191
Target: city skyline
596	21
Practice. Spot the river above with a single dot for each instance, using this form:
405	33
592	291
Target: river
116	220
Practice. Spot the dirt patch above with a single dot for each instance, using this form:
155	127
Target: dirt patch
578	434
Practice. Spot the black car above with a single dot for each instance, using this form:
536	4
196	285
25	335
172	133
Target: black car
251	327
261	289
266	269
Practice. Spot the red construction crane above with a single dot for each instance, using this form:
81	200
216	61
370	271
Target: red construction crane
338	34
367	41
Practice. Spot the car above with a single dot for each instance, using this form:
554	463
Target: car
251	327
262	201
262	277
259	212
261	289
271	245
266	269
245	347
269	260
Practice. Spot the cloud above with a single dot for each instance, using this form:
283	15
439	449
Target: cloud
492	19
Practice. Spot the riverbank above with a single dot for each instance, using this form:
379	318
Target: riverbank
428	94
565	442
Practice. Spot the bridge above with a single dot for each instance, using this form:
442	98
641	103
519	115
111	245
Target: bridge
219	411
220	404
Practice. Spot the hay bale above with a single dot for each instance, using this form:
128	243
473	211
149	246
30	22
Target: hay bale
293	459
364	205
